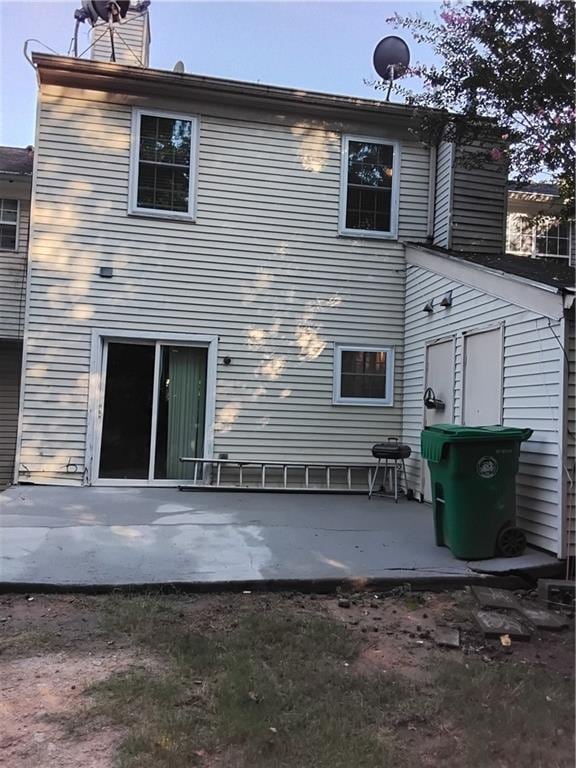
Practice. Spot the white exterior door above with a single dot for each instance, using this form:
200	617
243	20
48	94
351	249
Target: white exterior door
482	387
440	377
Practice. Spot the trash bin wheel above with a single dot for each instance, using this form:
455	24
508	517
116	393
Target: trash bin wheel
511	541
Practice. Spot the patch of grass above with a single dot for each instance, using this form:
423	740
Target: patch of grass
30	641
507	714
278	689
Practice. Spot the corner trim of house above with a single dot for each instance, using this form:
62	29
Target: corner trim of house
528	294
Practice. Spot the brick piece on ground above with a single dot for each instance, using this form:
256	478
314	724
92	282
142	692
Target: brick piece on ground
495	624
557	591
447	637
542	618
489	597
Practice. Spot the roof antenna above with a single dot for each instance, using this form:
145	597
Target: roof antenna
391	59
111	12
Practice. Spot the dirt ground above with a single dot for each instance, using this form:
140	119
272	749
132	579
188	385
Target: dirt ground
54	647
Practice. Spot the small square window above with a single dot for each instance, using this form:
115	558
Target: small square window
363	375
368	205
8	224
162	170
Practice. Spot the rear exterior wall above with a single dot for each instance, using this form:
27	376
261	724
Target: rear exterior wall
263	268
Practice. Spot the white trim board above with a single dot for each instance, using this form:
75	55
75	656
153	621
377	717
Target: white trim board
542	299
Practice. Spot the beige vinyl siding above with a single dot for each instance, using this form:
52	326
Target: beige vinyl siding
13	267
479	201
262	268
10	364
131	40
531	388
570	468
443	197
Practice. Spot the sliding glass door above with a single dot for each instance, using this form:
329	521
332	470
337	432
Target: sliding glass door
154	410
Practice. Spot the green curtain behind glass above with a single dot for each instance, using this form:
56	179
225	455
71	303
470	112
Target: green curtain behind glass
186	409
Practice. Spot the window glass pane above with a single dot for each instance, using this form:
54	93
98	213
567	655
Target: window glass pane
9	205
8	236
163	187
553	239
369	190
165	140
164	163
519	234
125	446
363	374
181	411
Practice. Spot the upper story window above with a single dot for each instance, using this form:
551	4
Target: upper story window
163	164
363	375
8	224
369	187
526	237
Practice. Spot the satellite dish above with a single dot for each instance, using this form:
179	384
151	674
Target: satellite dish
179	67
391	57
105	10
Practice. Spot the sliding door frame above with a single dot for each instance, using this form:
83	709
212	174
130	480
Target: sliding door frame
101	337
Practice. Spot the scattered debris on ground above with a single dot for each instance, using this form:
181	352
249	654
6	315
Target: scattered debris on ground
236	680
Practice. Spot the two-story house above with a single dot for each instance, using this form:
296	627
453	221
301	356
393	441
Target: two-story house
234	270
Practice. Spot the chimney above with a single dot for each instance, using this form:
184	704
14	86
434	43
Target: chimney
126	41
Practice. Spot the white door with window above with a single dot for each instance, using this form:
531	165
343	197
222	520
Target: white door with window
440	378
482	378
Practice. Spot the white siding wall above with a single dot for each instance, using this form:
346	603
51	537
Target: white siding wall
443	200
262	267
531	396
10	363
479	201
13	265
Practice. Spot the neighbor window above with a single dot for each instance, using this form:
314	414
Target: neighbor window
530	237
369	187
163	160
8	224
363	375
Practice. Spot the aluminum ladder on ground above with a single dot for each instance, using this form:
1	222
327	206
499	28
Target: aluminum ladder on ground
338	477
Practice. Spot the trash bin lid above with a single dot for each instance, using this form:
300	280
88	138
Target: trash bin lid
435	437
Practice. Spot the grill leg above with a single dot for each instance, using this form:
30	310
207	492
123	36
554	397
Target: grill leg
405	478
373	480
395	470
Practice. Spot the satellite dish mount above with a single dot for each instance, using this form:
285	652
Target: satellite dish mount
391	59
105	12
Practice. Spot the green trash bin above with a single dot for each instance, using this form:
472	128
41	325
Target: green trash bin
473	479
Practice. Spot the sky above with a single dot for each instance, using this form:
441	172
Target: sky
323	46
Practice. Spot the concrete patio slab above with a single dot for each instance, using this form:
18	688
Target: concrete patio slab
103	537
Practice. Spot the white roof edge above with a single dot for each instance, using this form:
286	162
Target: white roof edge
484	268
523	292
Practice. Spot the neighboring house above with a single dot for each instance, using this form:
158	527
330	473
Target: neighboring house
533	228
15	190
226	269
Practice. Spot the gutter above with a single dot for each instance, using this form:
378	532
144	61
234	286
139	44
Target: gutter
76	72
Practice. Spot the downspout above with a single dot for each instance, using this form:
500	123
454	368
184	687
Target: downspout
431	194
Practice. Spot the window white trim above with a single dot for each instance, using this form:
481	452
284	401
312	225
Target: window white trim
380	235
17	236
337	398
133	209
